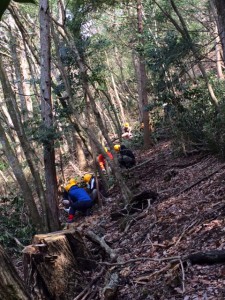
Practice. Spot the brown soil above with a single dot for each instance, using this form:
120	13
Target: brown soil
187	217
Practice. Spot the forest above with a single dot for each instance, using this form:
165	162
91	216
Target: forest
129	94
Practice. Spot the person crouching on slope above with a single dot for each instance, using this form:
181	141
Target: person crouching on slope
89	179
102	160
78	199
126	157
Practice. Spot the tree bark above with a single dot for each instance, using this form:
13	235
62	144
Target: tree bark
21	179
11	104
54	265
143	79
47	117
11	285
220	6
195	52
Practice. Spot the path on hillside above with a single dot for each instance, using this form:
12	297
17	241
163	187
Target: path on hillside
188	216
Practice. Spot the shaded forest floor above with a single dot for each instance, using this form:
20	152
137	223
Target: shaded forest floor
187	217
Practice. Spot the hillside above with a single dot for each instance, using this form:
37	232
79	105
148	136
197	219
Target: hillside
187	217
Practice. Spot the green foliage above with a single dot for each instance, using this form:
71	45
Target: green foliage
197	125
14	223
5	3
3	166
45	134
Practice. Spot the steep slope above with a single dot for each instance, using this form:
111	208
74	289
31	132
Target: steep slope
187	217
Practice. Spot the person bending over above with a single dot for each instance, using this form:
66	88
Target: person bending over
126	157
78	198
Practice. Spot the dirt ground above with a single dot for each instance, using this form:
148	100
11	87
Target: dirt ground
187	217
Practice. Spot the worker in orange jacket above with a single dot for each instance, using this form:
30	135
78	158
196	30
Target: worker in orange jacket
102	160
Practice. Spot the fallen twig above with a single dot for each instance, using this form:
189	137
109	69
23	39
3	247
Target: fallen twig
146	278
86	291
183	276
94	238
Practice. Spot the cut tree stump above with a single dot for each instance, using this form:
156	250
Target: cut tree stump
11	285
53	265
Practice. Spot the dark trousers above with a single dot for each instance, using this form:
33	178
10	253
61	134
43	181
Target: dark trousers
82	206
126	162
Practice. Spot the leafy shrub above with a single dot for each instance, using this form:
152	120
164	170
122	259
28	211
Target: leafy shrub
196	124
14	224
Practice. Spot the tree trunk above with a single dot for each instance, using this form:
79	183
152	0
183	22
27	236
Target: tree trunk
17	170
218	47
220	6
28	151
11	285
47	117
115	91
143	80
18	74
54	265
195	52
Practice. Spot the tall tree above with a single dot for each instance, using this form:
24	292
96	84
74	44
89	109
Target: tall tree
143	96
14	113
47	116
220	6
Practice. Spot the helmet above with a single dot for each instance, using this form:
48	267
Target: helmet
72	182
116	147
126	125
87	177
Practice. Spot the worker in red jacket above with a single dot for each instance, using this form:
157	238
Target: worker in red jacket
102	160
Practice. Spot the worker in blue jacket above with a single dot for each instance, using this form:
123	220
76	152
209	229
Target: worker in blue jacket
77	199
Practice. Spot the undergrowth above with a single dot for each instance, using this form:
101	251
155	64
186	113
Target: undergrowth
16	230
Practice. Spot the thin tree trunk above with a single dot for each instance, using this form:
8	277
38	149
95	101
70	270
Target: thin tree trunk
28	151
143	80
220	6
115	91
21	179
217	42
47	116
184	32
137	74
18	74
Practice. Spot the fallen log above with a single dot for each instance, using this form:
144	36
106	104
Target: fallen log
101	242
11	285
53	265
209	257
110	290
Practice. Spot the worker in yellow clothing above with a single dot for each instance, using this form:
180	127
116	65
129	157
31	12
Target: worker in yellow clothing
127	135
91	182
